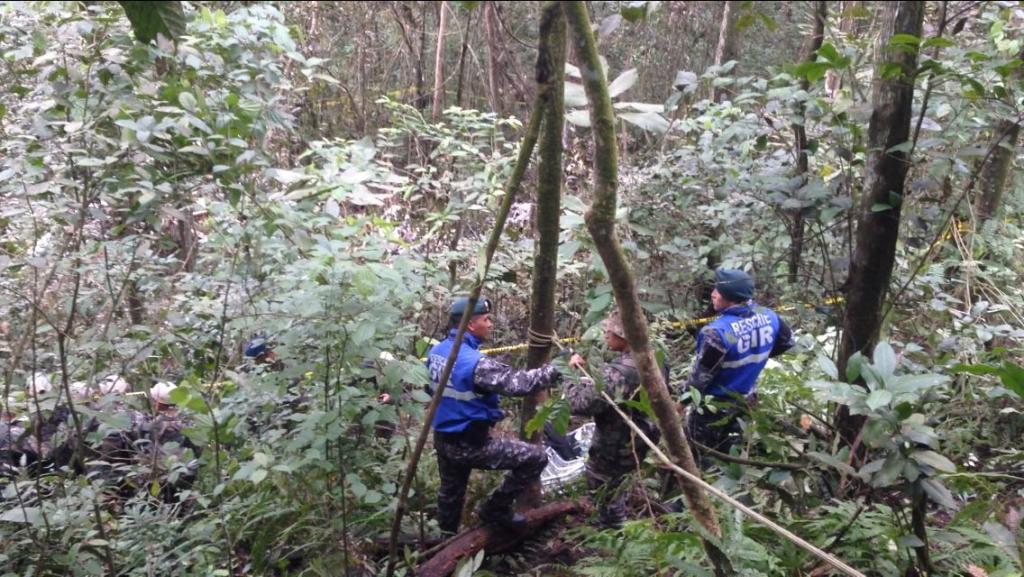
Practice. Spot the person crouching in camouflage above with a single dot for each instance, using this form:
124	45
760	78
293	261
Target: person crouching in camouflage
614	451
468	409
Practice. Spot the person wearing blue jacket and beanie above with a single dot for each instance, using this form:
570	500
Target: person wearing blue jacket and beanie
732	350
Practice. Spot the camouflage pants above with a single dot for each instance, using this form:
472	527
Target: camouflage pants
719	431
613	455
456	459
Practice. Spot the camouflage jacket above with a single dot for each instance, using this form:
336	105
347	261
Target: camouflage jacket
621	380
612	450
494	376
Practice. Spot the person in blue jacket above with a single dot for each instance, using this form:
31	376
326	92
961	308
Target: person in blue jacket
468	410
732	350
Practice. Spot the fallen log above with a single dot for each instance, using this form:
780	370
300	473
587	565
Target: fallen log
492	538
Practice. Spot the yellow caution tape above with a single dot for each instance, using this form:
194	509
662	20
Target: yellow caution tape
676	325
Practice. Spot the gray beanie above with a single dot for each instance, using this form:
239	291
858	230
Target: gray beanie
734	285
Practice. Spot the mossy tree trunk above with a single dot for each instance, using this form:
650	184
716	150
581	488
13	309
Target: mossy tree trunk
601	224
550	73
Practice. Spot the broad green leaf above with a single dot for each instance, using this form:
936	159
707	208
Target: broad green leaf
685	81
623	82
180	395
910	541
649	121
938	492
889	472
828	52
904	146
827	366
257	476
608	25
579	118
890	70
1012	376
156	17
834	461
904	40
812	71
912	383
187	101
634	11
853	367
287	176
575	95
934	460
871	468
639	106
885	359
878	398
27	515
937	42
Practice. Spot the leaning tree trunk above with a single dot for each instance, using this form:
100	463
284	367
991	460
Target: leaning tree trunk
550	73
796	247
601	224
884	175
727	42
997	169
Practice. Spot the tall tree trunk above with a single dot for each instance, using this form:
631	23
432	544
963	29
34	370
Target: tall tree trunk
406	24
847	26
550	73
884	176
462	58
601	224
492	59
995	172
726	49
796	235
442	28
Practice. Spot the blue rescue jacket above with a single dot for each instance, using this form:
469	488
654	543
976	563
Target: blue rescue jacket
749	332
461	402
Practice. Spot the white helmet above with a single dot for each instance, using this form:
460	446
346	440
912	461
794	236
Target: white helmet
113	384
161	392
39	383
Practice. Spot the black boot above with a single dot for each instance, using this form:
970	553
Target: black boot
499	512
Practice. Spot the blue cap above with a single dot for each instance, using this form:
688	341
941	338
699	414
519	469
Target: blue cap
483	306
734	285
257	346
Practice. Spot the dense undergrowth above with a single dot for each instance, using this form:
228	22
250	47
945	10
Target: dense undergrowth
157	208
